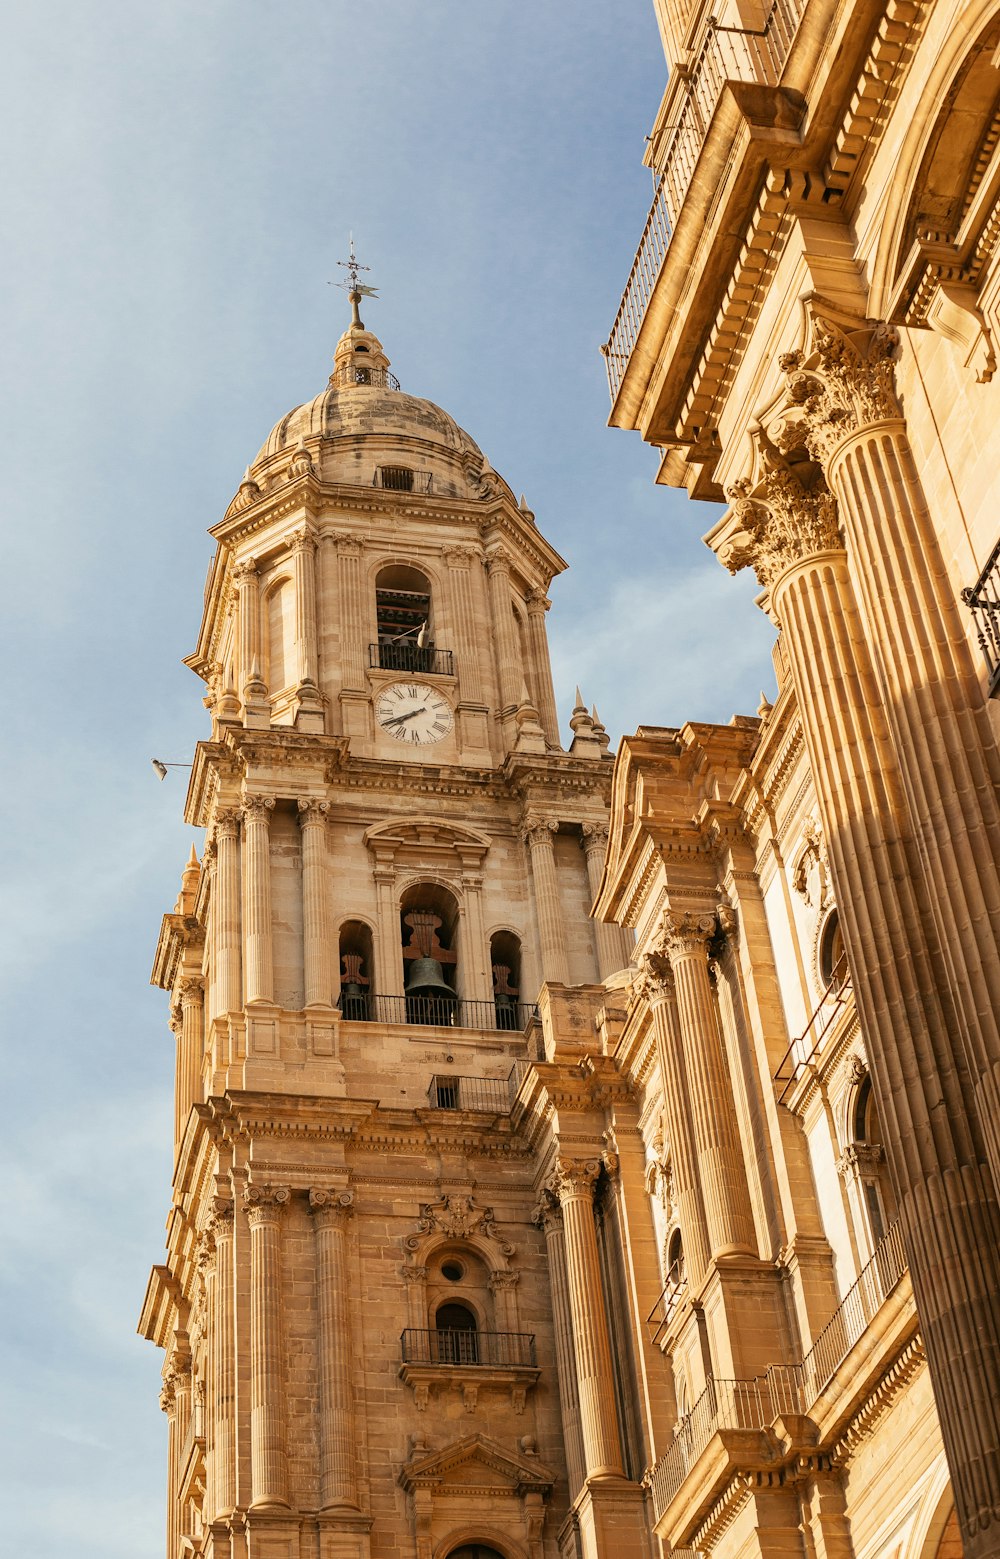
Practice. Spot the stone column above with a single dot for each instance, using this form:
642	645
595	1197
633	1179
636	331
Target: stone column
353	644
538	833
575	1180
548	1217
223	1371
328	617
268	1457
388	942
168	1404
304	574
614	950
317	936
721	1170
459	561
338	1478
226	912
538	604
191	1048
504	633
257	934
677	1117
901	976
247	583
477	978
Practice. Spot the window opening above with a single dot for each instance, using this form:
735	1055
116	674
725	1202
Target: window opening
457	1335
355	963
431	997
505	958
398	478
452	1270
832	954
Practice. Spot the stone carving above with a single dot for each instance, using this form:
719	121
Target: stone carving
595	836
860	1158
846	383
301	463
302	540
227	822
331	1204
311	811
536	830
811	877
257	809
687	932
657	979
857	1069
537	601
460	556
575	1177
265	1204
460	1217
497	563
548	1213
786	517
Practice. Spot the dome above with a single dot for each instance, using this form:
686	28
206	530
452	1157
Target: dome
363	424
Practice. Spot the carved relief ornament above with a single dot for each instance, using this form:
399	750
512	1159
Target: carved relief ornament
265	1204
575	1177
844	382
787	516
459	1217
331	1205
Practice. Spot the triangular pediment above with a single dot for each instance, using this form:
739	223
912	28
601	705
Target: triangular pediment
475	1462
424	835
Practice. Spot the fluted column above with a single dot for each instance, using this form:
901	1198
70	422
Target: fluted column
328	620
548	1217
477	978
505	636
226	912
388	944
538	834
223	1371
191	1048
338	1477
257	931
268	1456
353	647
304	574
248	620
538	604
460	560
721	1170
677	1116
168	1404
317	936
575	1179
901	975
614	951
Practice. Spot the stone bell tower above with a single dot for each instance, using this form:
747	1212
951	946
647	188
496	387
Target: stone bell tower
399	854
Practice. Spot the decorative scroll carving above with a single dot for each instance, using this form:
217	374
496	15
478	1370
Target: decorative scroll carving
497	563
811	877
595	836
548	1213
845	383
460	556
311	811
575	1177
331	1204
257	809
301	463
657	980
265	1204
786	517
537	601
857	1069
535	829
459	1217
687	932
860	1158
227	821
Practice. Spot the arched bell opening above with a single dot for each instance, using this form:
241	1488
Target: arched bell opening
428	918
505	962
675	1258
880	1202
404	619
356	971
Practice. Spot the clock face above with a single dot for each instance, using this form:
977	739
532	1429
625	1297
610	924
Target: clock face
413	713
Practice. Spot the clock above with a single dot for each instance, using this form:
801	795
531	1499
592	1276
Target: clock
413	713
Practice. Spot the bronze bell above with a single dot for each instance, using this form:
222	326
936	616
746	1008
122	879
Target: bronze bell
427	979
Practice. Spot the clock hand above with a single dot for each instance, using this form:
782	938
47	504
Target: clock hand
398	719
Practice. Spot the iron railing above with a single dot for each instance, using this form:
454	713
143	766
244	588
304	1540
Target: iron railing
854	1313
487	1095
984	600
421	660
804	1050
499	1350
726	54
670	1300
784	1389
403	479
437	1012
358	373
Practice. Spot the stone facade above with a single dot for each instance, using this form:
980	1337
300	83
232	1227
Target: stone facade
809	332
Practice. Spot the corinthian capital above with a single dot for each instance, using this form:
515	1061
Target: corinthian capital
245	574
547	1215
786	517
257	809
311	811
658	977
686	933
265	1204
497	562
538	602
844	382
575	1177
227	821
537	830
331	1205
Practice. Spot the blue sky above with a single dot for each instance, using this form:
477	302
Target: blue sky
180	182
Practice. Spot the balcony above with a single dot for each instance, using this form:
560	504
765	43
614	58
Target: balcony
754	1405
803	1052
468	1361
726	54
439	1012
668	1305
481	1095
983	598
419	660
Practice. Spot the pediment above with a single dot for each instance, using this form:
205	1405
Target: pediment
423	836
476	1462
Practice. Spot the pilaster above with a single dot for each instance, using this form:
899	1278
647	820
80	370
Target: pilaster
538	835
257	933
331	1210
268	1456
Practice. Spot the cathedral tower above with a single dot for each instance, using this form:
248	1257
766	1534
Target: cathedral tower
355	1306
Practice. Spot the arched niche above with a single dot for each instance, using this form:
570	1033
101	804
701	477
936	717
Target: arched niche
505	970
357	970
429	942
404	619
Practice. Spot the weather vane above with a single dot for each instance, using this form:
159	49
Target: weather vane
355	288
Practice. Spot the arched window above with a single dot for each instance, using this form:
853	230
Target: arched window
355	971
475	1551
880	1203
675	1258
404	621
428	919
457	1334
832	959
505	958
